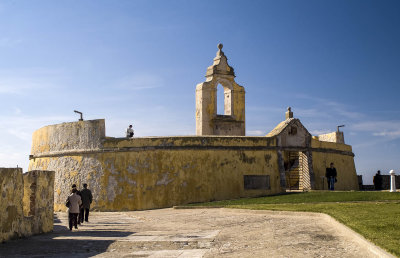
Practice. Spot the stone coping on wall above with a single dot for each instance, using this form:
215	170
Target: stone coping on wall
240	143
89	137
209	140
330	145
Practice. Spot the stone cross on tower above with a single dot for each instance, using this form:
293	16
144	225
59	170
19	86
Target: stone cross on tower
208	122
220	65
289	113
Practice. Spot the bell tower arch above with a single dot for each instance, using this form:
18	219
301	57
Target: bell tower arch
208	122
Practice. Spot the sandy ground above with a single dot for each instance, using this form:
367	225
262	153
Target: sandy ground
196	233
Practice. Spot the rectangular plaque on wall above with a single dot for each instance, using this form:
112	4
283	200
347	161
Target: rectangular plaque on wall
256	182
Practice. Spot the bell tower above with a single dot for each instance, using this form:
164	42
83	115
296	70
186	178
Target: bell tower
232	121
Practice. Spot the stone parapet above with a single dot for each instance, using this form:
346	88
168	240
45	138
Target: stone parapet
26	202
11	215
86	134
39	188
336	137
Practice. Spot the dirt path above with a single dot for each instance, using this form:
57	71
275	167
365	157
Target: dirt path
196	233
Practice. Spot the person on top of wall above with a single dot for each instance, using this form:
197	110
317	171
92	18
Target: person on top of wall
87	198
129	132
378	180
331	175
74	201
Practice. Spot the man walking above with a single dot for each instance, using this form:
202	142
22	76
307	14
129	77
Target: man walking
87	198
78	193
331	177
74	201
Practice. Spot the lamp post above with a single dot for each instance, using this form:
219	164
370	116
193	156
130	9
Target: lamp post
81	119
339	127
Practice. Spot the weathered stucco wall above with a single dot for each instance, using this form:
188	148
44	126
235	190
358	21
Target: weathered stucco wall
32	193
10	203
337	137
145	173
39	199
343	161
68	136
157	172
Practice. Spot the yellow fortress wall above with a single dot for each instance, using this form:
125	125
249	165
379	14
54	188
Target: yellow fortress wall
157	172
146	173
343	161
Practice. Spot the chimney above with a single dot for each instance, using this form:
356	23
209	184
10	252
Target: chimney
289	113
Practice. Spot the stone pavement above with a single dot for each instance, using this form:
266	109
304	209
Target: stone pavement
196	233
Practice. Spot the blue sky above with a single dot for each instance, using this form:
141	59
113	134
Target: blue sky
333	62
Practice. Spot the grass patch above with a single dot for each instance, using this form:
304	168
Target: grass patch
310	197
375	215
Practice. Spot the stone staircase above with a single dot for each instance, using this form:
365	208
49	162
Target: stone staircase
305	182
294	172
298	177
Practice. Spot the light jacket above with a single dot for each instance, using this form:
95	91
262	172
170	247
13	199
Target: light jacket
129	131
75	201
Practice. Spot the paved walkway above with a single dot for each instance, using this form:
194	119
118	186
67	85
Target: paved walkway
195	233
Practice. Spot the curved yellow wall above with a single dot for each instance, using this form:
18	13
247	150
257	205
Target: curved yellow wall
156	172
344	164
146	173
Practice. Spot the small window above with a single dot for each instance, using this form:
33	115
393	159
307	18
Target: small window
252	182
293	130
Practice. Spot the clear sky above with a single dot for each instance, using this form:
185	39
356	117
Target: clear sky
138	62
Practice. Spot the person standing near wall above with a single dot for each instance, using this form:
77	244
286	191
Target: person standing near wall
331	175
73	210
378	181
129	132
87	198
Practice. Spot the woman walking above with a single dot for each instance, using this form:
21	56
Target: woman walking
73	208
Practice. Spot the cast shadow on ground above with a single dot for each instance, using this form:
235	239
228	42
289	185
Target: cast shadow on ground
62	243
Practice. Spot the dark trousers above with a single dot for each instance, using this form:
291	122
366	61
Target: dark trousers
80	216
84	213
73	220
331	183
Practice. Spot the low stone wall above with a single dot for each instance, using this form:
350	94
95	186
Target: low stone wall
39	187
337	137
386	182
10	202
26	203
